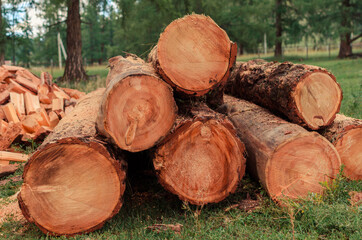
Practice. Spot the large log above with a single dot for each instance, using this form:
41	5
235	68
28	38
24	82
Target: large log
305	94
72	183
202	160
194	55
138	109
288	160
346	135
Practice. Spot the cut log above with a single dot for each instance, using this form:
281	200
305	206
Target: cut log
305	94
18	100
288	160
72	183
10	113
194	55
346	135
202	161
138	108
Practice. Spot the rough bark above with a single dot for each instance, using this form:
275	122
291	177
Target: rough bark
288	160
346	135
345	48
278	28
202	160
74	70
138	109
305	94
72	183
194	55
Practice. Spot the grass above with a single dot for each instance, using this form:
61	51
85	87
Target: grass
328	216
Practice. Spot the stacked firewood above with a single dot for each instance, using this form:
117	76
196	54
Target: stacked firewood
175	105
30	107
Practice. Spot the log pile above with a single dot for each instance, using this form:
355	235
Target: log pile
202	141
30	106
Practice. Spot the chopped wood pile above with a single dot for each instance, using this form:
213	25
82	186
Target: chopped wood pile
30	107
202	141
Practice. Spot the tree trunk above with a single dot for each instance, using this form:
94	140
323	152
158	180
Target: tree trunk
72	183
74	64
305	94
2	37
202	160
138	108
345	48
194	55
279	29
288	160
346	135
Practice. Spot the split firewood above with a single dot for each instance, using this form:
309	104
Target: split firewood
30	123
346	135
16	87
17	99
70	102
2	114
194	55
4	96
53	119
43	93
138	108
305	94
12	69
4	75
73	93
288	160
46	78
27	83
70	160
12	156
12	132
6	170
3	126
10	113
58	104
202	160
59	93
32	104
26	74
47	106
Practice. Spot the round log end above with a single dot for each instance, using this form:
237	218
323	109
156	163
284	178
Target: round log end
193	53
201	162
140	111
318	99
300	165
348	146
71	187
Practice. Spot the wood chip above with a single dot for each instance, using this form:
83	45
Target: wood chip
164	227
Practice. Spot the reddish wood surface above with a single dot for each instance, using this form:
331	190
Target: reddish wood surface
194	55
138	109
72	183
305	94
202	160
346	135
288	160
